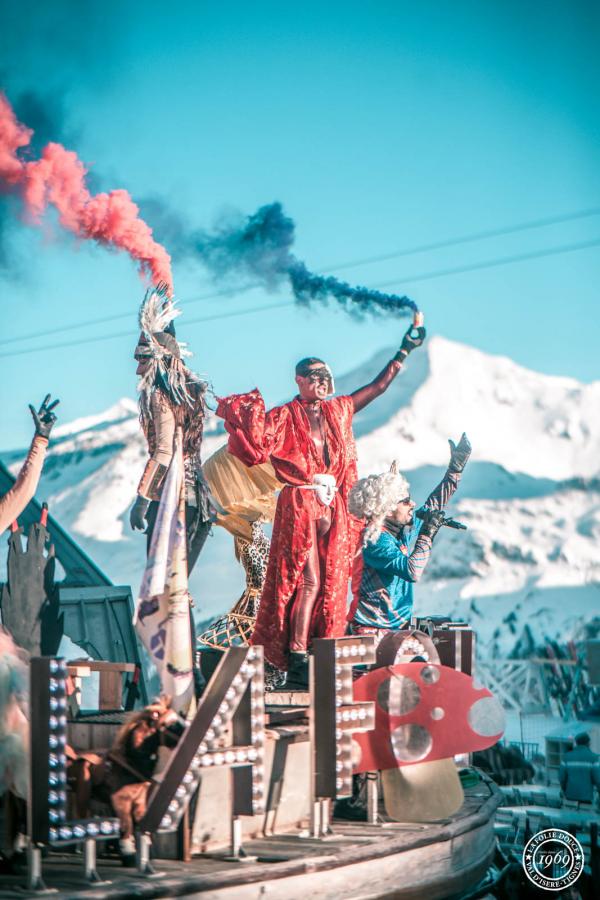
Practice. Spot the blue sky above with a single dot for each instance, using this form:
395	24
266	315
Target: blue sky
379	126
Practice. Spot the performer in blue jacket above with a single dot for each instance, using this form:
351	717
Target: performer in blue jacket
579	771
396	549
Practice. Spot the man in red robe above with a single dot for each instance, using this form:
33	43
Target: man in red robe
310	444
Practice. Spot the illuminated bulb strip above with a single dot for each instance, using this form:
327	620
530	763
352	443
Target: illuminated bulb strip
61	831
356	717
227	708
238	756
354	652
209	752
349	716
257	723
71	832
57	739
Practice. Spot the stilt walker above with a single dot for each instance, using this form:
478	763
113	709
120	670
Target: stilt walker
171	397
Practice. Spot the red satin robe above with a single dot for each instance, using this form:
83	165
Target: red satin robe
283	435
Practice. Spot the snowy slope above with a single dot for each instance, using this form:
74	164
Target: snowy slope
529	494
533	424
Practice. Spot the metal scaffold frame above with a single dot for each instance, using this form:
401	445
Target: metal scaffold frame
521	683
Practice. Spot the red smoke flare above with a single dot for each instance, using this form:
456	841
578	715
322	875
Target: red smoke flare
58	178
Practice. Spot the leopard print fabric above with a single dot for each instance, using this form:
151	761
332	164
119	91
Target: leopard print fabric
235	628
254	556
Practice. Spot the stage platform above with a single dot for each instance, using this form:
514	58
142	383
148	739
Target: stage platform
358	860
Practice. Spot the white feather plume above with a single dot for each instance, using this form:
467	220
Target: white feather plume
157	311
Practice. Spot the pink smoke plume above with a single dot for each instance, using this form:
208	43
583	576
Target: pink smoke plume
58	178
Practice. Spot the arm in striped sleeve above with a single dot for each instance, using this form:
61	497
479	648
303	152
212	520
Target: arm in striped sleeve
441	495
385	556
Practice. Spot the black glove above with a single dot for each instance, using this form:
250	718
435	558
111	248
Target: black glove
44	418
137	515
459	454
433	520
414	337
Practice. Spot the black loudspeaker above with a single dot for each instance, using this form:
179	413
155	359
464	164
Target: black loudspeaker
454	641
593	661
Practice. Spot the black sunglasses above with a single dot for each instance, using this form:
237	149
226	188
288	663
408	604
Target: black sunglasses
317	375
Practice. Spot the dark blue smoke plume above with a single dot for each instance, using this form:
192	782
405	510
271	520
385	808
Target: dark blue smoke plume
259	247
357	300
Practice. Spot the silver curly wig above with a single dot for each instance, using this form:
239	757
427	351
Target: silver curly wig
375	497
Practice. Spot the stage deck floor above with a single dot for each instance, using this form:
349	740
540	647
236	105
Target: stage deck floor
357	861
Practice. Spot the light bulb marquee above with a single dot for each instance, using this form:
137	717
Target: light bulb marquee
227	731
335	715
47	808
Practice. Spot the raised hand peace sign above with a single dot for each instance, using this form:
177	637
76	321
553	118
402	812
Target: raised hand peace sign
44	418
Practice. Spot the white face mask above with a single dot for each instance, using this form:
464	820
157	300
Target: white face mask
325	487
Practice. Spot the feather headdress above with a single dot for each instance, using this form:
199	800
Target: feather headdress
158	342
156	317
157	311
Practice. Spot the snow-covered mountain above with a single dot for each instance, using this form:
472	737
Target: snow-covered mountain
530	494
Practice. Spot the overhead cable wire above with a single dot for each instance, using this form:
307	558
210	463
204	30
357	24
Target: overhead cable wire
425	276
490	263
130	333
470	238
113	318
421	248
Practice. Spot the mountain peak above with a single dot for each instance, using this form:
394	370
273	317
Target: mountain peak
125	408
527	422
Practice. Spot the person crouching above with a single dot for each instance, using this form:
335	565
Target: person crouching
131	763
